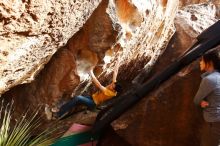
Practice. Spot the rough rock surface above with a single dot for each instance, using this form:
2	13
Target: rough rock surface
168	117
31	31
184	3
60	77
145	30
191	2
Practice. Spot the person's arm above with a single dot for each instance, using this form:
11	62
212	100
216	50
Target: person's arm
95	81
115	73
205	88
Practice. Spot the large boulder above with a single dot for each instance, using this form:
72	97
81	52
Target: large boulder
167	116
109	32
138	32
31	31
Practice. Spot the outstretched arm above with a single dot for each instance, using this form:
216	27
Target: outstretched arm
95	81
115	73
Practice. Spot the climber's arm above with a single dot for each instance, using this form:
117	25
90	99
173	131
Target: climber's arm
115	73
95	81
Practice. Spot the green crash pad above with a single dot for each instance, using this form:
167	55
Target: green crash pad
76	135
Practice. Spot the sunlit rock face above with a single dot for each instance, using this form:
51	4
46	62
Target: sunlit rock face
32	31
110	32
190	2
136	30
145	29
168	117
193	19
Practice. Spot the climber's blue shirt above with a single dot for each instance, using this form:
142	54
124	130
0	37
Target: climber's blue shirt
209	91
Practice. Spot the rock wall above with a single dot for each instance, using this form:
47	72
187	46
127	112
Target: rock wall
138	32
31	31
168	117
56	82
114	31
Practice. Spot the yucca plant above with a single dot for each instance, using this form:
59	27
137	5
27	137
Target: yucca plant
21	134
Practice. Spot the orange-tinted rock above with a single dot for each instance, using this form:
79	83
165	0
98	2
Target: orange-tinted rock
57	81
168	116
31	31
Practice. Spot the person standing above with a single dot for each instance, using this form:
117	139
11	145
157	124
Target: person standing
208	98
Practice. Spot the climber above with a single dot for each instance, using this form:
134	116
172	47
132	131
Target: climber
208	98
97	98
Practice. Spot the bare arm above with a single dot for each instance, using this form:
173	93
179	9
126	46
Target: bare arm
95	81
115	73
